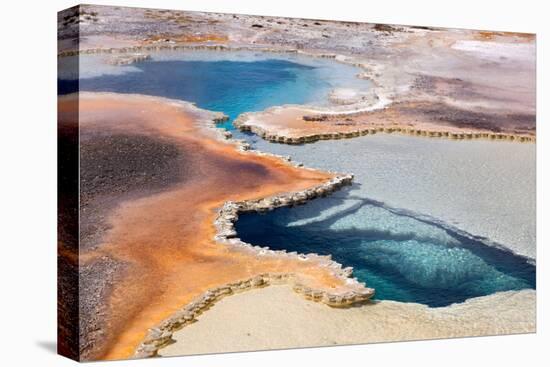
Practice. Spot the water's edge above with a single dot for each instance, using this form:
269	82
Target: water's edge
227	235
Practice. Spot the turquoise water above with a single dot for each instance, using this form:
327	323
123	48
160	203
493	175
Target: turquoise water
217	82
404	257
400	253
431	221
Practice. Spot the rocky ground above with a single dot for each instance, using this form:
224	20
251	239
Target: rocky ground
458	81
473	81
115	167
121	166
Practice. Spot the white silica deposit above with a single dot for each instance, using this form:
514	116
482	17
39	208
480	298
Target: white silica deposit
484	188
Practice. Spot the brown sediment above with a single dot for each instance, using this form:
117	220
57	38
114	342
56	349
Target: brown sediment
492	35
161	237
187	38
301	124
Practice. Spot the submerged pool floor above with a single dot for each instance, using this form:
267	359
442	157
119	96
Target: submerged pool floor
404	258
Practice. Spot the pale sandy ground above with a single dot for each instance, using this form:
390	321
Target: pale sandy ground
275	317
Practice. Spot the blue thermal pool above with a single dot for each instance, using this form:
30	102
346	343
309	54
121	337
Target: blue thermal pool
219	81
405	256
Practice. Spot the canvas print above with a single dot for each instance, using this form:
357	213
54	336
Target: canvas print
235	182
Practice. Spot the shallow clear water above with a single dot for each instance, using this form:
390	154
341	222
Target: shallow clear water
416	255
482	187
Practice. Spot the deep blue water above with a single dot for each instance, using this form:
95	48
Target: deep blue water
404	258
232	87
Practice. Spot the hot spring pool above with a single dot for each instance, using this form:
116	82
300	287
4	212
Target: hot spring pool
431	221
404	258
230	82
